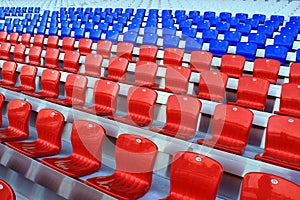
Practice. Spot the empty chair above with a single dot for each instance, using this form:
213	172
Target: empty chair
140	103
85	46
92	65
267	69
104	48
7	192
200	61
14	38
27	79
193	44
233	65
75	87
135	157
18	117
5	51
173	56
8	73
246	49
150	39
25	40
294	76
68	44
53	42
49	125
19	53
212	85
145	73
124	50
259	185
289	100
3	36
39	41
117	69
230	128
200	174
148	53
49	83
282	144
182	115
276	52
86	139
252	92
170	41
35	55
218	47
51	58
71	61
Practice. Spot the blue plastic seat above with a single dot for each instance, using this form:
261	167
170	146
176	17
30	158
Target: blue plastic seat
118	27
276	52
241	16
97	11
185	24
18	14
180	13
166	12
203	25
74	18
294	19
16	21
42	23
96	19
189	33
10	28
88	10
167	23
108	19
295	25
41	30
122	20
153	11
275	24
30	30
119	10
193	44
63	17
253	23
170	41
2	15
233	37
169	31
278	18
79	10
129	10
141	11
37	9
53	23
246	49
112	36
209	35
266	30
89	26
233	22
244	29
84	19
134	27
181	18
218	47
36	16
33	23
65	32
225	16
19	28
64	24
214	20
95	35
258	38
197	19
103	27
209	14
7	21
53	31
30	9
284	40
298	55
260	17
28	16
137	20
291	31
79	33
222	27
130	36
150	39
76	25
71	9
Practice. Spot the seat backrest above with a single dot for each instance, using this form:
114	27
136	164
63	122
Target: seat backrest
294	76
193	174
233	65
3	36
145	73
75	87
200	61
290	99
27	76
39	41
124	50
68	44
148	53
5	51
35	55
9	72
173	56
18	115
25	40
50	82
267	69
19	53
117	68
259	185
93	63
177	79
104	48
85	45
51	58
6	191
14	38
71	61
53	42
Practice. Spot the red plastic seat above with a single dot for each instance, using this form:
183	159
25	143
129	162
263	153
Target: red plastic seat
135	157
289	100
49	83
230	128
173	56
194	176
145	73
18	118
68	44
3	36
25	40
104	48
35	55
51	58
252	92
19	53
5	51
148	53
85	46
124	50
267	69
14	38
105	98
200	61
294	73
259	185
233	65
212	85
75	87
182	116
86	138
8	73
2	99
93	63
7	192
141	102
282	144
39	41
53	42
27	79
117	69
49	125
71	61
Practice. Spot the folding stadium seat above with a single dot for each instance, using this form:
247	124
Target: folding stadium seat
233	65
170	41
25	40
86	139
19	28
39	41
95	35
89	26
225	16
209	14
200	174
260	17
117	69
210	34
130	37
182	115
145	73
200	61
71	61
124	50
53	42
49	85
244	29
227	121
150	39
7	192
246	49
51	58
141	102
104	48
173	56
284	40
135	157
290	31
41	30
212	85
5	51
241	16
276	52
222	27
253	23
68	44
85	45
257	38
35	55
148	53
252	92
218	47
49	125
103	27
8	73
3	36
93	63
267	69
259	185
112	36
19	53
203	25
9	28
18	117
282	142
294	76
188	33
30	30
289	100
193	44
